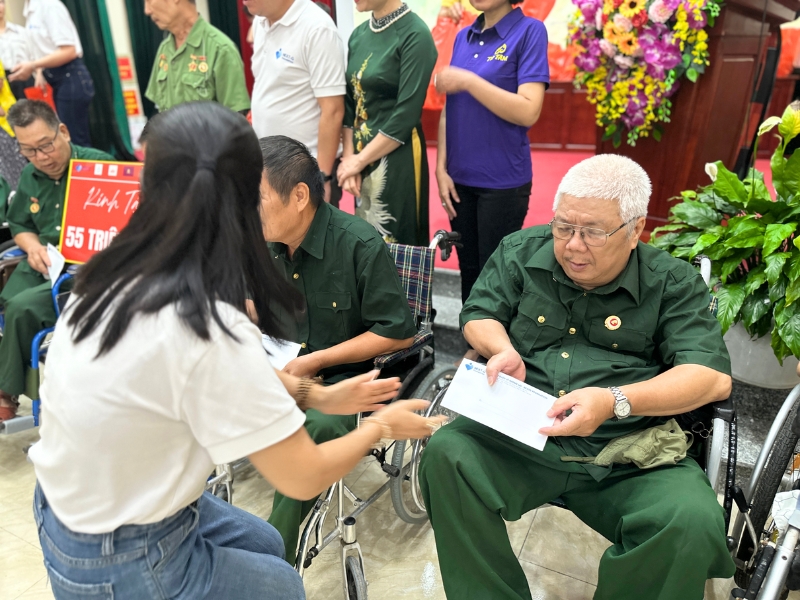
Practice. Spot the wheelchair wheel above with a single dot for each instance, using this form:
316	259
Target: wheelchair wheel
783	460
405	490
356	582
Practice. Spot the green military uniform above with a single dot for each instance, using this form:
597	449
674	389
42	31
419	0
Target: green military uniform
349	280
665	524
37	208
206	67
5	192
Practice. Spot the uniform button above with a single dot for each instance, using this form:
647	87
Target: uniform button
565	355
58	227
541	319
613	345
562	393
572	330
584	293
296	276
58	205
303	345
334	305
476	56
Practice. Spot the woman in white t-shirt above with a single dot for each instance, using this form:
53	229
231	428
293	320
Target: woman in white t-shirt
155	374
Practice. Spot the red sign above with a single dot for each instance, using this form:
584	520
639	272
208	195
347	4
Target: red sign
125	70
131	102
101	197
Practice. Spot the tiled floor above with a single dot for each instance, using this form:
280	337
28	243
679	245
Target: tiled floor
558	553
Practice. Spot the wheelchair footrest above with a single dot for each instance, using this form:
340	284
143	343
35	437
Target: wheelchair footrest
16	425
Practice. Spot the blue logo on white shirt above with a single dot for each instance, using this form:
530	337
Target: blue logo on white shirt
280	54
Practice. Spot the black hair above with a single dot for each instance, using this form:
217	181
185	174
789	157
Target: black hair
144	137
196	237
288	162
25	112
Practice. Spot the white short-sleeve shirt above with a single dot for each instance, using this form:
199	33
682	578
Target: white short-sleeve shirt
14	46
130	437
49	26
296	60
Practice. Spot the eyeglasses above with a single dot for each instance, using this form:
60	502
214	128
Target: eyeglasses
47	148
591	236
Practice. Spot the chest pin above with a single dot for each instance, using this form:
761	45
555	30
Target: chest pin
35	205
613	323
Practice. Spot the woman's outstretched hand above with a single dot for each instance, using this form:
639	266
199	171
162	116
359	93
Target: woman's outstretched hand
363	393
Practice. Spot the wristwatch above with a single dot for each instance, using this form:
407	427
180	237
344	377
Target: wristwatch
622	406
325	177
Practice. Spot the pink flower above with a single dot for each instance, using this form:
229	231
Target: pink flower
607	48
624	62
622	22
659	12
598	19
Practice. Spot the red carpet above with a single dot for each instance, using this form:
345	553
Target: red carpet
548	169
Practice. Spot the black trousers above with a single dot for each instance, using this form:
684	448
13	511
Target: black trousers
484	217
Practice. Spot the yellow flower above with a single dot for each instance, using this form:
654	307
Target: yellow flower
630	8
627	43
611	33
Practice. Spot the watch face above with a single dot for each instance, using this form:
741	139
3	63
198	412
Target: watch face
622	409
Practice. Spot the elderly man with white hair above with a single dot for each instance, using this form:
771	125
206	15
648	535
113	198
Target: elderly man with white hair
621	334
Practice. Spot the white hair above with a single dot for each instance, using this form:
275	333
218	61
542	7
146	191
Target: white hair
609	177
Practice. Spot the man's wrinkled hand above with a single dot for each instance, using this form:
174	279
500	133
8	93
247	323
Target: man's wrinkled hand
509	362
363	393
590	407
304	366
38	259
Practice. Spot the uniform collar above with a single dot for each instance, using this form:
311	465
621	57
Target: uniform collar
545	259
314	242
502	27
195	37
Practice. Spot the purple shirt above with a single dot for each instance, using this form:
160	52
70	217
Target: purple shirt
484	150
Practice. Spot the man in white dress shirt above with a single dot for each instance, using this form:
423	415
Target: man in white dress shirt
299	64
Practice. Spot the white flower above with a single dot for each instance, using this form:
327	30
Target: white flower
711	171
624	62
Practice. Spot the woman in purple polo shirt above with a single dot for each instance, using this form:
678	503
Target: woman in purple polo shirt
495	88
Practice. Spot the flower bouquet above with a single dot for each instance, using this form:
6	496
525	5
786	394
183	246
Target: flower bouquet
631	56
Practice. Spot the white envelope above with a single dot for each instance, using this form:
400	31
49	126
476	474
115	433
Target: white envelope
57	263
511	407
281	352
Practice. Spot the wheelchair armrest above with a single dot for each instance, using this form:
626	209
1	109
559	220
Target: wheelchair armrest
724	409
387	360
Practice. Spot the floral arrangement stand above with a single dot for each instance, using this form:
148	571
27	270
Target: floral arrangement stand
707	118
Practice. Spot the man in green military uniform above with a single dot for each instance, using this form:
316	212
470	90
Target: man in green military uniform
355	306
196	61
34	218
621	334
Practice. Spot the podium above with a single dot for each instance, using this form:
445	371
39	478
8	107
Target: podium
710	117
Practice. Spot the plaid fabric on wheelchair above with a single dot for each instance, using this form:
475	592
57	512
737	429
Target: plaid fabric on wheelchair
415	268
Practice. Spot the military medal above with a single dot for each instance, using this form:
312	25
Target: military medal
203	67
192	67
35	205
613	323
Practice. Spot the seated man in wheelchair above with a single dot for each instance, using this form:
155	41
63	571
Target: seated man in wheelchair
356	308
34	218
621	334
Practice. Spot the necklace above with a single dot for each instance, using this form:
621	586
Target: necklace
378	25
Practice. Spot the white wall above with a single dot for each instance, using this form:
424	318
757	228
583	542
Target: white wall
202	7
14	11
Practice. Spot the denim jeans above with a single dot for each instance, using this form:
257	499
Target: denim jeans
73	90
209	550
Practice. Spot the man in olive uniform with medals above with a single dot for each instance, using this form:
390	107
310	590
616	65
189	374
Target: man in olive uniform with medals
355	306
34	218
620	333
196	61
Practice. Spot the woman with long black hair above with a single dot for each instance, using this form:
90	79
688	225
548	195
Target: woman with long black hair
156	373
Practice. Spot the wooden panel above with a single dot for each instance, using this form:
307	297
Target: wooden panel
580	123
548	133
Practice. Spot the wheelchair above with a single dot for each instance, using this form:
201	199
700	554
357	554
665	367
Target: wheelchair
421	378
764	549
10	256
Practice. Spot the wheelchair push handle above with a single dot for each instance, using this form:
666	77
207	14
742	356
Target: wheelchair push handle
445	240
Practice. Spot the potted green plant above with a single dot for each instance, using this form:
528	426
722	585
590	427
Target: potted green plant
751	239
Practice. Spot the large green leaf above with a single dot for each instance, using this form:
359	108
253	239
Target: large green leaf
686	239
775	235
704	241
775	264
790	334
792	291
730	297
777	290
729	185
755	306
792	268
755	279
745	233
663	241
778	163
733	262
697	214
791	174
779	347
668	227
